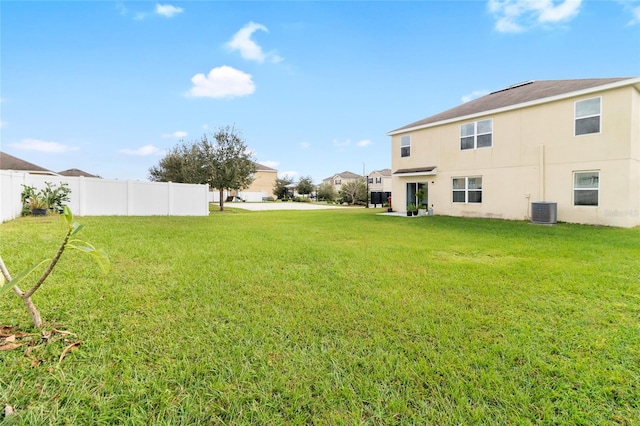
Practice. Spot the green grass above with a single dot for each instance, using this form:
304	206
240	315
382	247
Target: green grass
329	317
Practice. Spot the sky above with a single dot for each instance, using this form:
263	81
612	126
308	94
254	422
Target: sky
312	87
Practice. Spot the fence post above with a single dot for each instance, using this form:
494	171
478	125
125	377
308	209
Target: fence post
129	197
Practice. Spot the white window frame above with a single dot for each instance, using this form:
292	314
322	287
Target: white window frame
466	189
405	145
576	118
592	188
475	134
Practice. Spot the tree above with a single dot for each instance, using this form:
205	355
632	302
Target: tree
228	163
180	164
280	186
305	185
224	164
326	192
354	191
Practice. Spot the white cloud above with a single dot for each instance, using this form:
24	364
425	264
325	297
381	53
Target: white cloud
636	15
43	146
205	126
474	95
143	151
168	10
305	145
269	163
222	82
519	15
633	7
249	49
179	135
343	144
363	143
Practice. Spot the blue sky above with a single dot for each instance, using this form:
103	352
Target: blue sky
313	87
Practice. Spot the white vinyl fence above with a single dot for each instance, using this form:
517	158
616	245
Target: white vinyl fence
102	197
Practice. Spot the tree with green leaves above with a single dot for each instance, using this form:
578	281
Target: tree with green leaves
354	191
180	164
305	185
227	162
326	192
224	163
280	186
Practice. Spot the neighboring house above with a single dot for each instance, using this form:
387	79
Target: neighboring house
264	180
575	143
379	184
77	173
340	179
9	162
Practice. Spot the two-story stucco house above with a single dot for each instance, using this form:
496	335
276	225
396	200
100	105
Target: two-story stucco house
379	184
572	143
264	180
340	179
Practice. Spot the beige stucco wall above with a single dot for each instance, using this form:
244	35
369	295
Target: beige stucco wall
383	186
264	181
533	156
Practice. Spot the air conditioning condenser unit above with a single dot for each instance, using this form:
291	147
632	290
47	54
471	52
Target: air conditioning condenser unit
544	212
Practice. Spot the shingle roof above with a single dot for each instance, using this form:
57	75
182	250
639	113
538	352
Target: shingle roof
382	172
263	168
76	172
516	94
345	175
9	162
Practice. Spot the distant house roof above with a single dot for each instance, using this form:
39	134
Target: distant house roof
345	175
382	172
76	172
263	168
9	162
519	95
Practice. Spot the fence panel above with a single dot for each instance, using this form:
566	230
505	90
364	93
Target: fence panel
102	197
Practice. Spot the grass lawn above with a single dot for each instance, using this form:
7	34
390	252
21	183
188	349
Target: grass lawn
328	317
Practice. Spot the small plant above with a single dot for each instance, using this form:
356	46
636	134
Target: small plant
56	197
51	197
7	283
37	203
420	195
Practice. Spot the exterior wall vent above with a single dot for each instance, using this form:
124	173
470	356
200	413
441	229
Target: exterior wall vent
544	212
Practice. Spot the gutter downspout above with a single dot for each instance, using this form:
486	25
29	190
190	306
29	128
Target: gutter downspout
542	175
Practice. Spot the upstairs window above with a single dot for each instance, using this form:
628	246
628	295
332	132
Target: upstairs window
586	188
337	182
587	116
405	146
467	189
378	180
478	134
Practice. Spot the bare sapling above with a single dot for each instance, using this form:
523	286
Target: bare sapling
8	283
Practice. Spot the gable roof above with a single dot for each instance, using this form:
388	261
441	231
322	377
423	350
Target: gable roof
9	162
263	168
382	172
520	95
76	173
344	175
